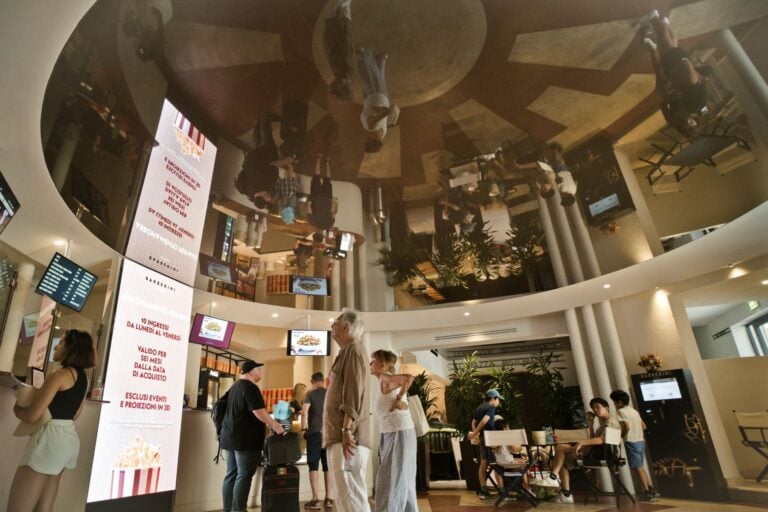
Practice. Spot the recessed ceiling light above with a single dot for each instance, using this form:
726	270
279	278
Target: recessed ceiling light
59	243
467	313
764	282
57	327
331	319
606	286
213	304
275	315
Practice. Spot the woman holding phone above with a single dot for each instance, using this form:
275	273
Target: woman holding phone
54	446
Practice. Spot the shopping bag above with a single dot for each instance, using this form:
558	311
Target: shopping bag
25	395
417	415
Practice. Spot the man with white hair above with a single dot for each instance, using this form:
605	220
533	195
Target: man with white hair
346	433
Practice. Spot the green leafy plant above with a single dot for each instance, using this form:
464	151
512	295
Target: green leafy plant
464	393
503	379
448	261
482	249
546	379
423	388
399	262
524	245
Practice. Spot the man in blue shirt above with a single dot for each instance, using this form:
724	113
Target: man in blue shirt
484	420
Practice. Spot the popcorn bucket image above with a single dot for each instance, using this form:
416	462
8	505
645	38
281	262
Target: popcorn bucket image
191	140
134	481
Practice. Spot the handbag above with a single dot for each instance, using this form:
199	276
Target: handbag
25	395
420	422
283	449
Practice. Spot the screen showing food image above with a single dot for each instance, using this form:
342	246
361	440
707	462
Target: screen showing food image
308	343
304	285
207	330
217	269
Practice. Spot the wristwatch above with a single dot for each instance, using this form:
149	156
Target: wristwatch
345	430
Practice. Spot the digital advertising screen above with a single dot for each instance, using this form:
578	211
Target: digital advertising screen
9	205
345	242
137	445
309	343
214	332
305	285
28	328
660	389
166	230
66	282
603	205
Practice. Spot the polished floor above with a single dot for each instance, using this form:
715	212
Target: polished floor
465	501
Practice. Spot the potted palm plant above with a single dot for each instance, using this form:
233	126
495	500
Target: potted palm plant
448	260
399	262
462	397
524	244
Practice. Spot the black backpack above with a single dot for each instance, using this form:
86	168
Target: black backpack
217	415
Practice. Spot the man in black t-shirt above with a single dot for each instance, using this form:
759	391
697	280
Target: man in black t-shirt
321	197
484	420
242	436
312	426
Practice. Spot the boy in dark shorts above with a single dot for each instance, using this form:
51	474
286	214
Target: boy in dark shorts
485	415
632	427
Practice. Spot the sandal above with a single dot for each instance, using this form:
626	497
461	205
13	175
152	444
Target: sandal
328	503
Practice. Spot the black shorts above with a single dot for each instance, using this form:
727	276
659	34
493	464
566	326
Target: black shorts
320	187
672	59
316	452
483	452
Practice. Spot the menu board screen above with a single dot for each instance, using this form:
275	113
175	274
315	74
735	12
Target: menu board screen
305	285
137	446
66	282
166	231
309	343
660	389
207	330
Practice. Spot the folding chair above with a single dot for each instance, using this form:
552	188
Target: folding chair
611	459
513	474
755	423
571	435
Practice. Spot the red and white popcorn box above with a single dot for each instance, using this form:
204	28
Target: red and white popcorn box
192	141
134	481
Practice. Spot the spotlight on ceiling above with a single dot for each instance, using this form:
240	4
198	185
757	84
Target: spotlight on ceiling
764	282
275	315
606	286
59	243
467	313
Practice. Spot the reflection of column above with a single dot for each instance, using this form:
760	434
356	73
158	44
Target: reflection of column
608	323
577	345
63	161
15	316
105	329
361	254
349	281
587	313
745	68
336	286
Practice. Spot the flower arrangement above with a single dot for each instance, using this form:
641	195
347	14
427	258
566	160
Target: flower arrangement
651	362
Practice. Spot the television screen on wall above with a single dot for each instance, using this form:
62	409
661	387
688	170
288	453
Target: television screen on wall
66	282
309	343
306	285
214	332
660	389
8	204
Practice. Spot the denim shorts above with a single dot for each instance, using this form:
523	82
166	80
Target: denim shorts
635	453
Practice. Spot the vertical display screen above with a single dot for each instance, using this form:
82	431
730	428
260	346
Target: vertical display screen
166	231
137	447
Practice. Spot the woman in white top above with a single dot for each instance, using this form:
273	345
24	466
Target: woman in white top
396	478
377	115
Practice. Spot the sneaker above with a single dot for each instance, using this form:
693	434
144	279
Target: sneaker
645	20
562	498
650	43
328	503
484	495
549	481
313	505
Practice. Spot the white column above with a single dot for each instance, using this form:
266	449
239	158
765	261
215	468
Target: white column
15	317
336	286
604	312
349	281
63	161
577	345
361	254
587	313
745	68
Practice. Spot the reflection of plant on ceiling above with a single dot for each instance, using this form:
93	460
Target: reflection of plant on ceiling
525	243
483	252
448	260
399	262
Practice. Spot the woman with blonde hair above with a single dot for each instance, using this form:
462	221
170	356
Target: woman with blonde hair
299	390
54	446
396	478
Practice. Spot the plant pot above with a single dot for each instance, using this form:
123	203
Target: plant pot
469	465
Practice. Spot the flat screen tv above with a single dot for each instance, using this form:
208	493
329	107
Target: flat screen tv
309	343
345	242
305	285
66	282
8	204
214	332
217	269
660	389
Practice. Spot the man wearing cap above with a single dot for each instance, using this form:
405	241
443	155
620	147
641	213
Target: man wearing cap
346	427
312	426
242	436
484	420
